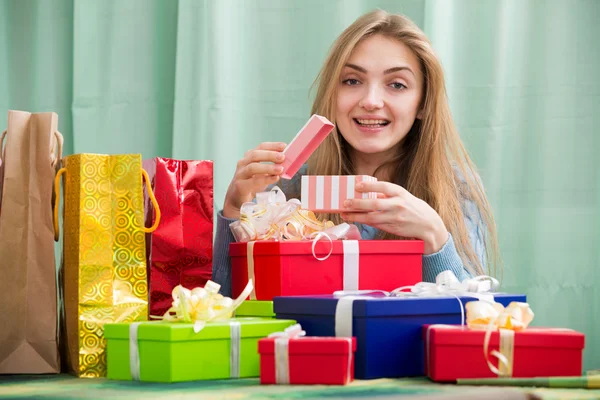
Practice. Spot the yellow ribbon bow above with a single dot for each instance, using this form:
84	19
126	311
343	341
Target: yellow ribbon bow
201	305
482	315
273	217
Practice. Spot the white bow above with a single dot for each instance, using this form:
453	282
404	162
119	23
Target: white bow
446	284
290	332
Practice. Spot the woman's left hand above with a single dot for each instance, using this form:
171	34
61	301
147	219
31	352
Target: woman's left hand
398	212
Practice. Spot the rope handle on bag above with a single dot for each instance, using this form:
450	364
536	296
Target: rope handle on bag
59	148
57	201
154	203
2	145
150	193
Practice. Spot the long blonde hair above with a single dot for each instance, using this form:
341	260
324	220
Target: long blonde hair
424	164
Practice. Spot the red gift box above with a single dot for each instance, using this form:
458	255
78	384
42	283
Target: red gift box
290	268
179	251
456	352
312	360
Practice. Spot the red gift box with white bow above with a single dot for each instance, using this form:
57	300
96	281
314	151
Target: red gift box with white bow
498	342
289	357
295	268
287	251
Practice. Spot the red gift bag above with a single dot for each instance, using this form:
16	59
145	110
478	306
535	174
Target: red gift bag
179	252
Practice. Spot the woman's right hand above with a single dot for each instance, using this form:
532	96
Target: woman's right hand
253	174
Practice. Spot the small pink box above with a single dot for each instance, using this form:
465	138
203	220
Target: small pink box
327	193
304	144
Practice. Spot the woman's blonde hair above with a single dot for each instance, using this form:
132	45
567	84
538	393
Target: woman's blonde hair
424	164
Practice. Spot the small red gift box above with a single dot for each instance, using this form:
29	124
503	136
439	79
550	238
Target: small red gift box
453	352
291	268
311	360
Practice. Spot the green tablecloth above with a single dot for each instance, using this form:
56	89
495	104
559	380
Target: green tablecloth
68	387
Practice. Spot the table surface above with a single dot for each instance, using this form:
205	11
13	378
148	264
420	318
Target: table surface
68	387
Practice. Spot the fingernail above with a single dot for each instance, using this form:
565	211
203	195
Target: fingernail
359	186
348	203
279	157
279	169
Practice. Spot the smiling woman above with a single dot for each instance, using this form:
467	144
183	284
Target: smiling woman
378	99
383	87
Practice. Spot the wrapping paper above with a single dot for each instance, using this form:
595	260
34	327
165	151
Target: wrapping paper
179	251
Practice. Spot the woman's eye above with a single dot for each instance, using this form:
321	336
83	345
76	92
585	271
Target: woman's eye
351	82
398	85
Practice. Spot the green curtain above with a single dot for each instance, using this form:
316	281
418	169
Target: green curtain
210	79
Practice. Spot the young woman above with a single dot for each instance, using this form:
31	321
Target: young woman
383	87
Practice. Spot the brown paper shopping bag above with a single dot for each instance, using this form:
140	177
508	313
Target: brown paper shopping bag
28	289
104	267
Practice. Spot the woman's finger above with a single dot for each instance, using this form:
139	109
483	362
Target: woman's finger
257	156
386	188
373	218
378	204
274	146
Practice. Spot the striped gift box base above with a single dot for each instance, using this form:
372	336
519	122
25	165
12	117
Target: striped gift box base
327	193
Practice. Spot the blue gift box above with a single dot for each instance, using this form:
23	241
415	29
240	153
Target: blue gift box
388	330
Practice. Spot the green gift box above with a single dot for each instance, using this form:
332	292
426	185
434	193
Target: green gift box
172	352
255	308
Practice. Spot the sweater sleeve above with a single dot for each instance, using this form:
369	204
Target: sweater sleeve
447	258
221	272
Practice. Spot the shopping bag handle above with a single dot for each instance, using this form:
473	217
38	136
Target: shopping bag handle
150	193
2	145
59	149
57	202
55	155
154	203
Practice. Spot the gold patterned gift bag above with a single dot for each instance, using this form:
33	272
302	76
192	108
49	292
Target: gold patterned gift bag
104	276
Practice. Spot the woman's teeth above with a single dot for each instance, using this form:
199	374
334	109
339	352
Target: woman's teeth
372	122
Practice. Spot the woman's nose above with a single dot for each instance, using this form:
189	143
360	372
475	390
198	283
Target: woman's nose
373	99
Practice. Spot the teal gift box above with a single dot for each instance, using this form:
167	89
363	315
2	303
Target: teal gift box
173	352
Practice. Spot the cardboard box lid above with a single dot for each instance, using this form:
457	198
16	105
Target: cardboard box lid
306	141
530	337
181	332
309	345
380	306
323	246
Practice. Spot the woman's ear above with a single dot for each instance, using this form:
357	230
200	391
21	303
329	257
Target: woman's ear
420	114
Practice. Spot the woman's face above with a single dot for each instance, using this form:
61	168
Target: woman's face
379	95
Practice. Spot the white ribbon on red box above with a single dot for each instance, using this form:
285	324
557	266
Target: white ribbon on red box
282	355
350	263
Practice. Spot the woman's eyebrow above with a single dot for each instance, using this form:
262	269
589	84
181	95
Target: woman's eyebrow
387	71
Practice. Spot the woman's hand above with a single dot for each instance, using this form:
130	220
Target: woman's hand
253	174
398	212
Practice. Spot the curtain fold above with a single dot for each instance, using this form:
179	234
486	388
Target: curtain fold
210	79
